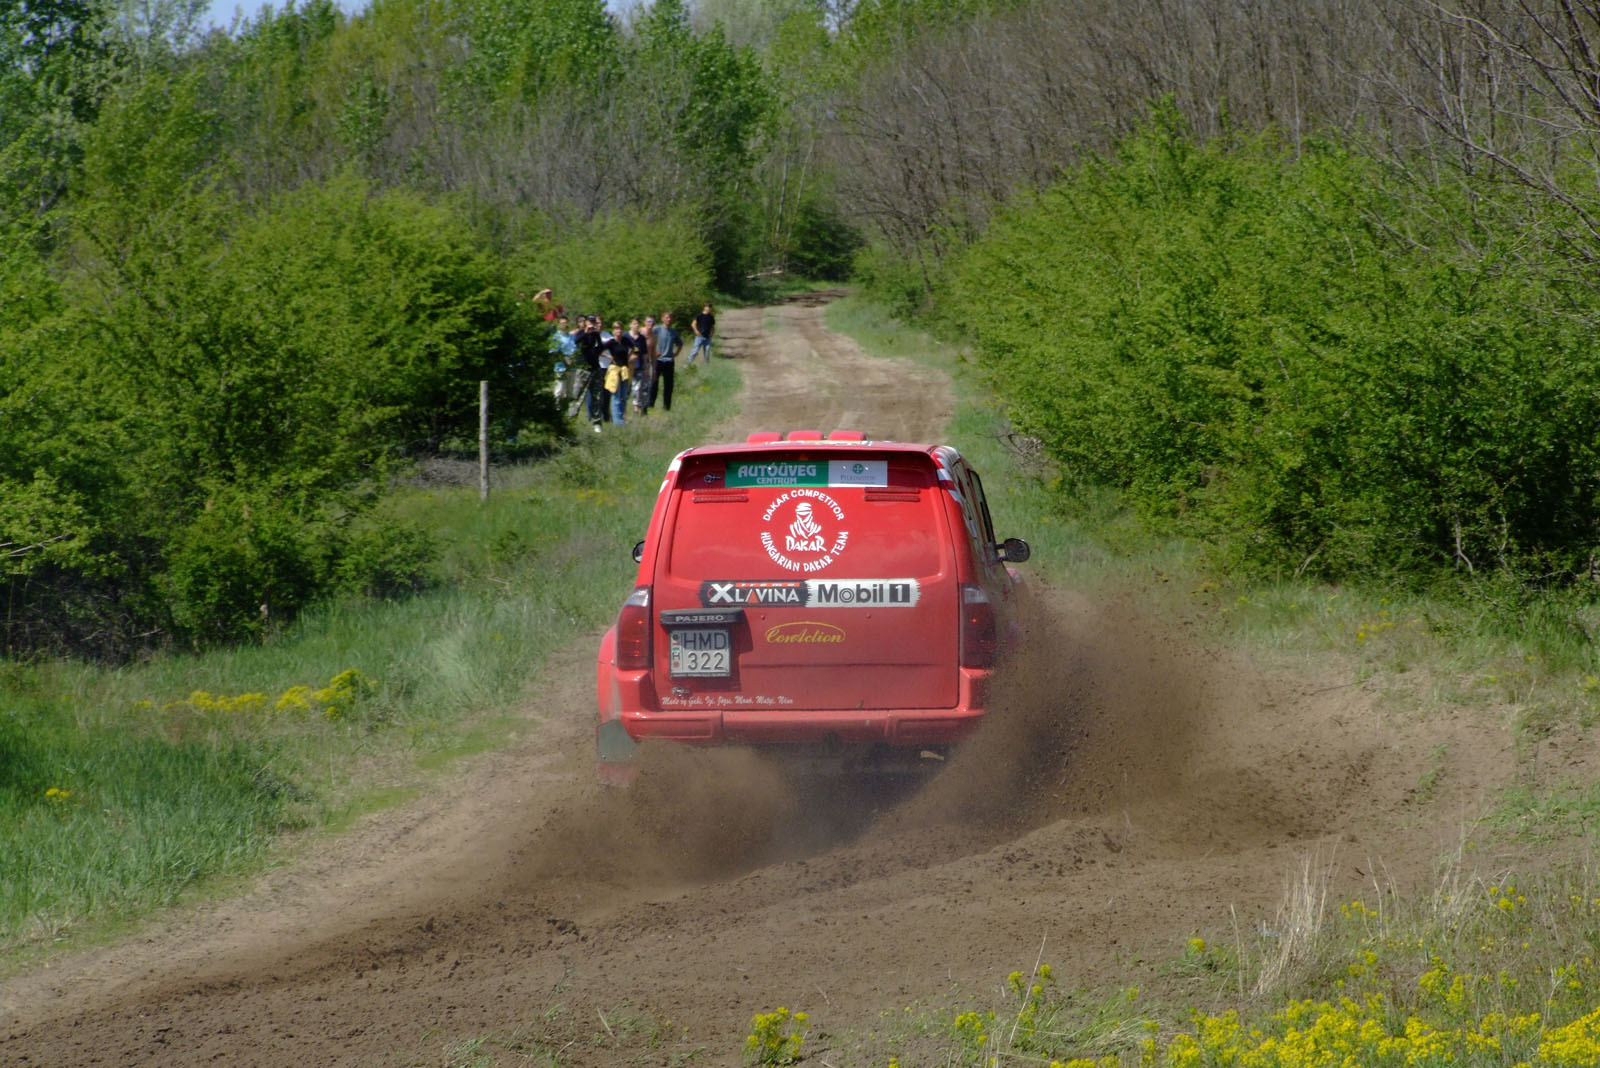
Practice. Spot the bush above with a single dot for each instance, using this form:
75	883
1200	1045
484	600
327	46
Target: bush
823	244
886	279
623	265
385	558
235	374
247	560
1272	352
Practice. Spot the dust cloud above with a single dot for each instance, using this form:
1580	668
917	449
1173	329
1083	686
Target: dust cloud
1095	709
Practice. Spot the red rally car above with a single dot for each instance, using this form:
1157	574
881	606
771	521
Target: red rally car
841	598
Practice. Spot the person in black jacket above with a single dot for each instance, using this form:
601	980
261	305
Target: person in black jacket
590	345
703	324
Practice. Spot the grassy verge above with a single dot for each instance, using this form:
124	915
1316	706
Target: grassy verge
1478	972
123	790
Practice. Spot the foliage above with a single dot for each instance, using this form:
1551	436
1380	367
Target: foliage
525	48
240	393
244	560
271	88
234	266
1271	351
776	1037
878	27
891	281
624	265
54	55
822	244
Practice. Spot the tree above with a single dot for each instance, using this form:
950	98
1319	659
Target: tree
53	59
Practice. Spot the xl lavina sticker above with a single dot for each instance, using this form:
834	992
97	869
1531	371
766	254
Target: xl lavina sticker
814	593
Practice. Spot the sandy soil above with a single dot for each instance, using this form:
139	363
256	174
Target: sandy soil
1132	788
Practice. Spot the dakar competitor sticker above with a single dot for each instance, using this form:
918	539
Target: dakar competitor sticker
803	532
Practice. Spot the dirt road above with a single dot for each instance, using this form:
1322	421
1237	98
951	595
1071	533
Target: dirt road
1132	789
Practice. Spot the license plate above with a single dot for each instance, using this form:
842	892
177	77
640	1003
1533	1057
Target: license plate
701	651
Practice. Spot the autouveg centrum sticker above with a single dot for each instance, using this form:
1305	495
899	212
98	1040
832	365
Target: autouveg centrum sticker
805	530
778	473
748	473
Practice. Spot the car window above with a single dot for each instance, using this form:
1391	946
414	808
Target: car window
982	504
805	521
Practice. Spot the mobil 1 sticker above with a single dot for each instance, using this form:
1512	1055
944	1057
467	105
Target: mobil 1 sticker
819	593
863	593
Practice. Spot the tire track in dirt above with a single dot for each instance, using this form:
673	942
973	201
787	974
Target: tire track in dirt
1130	788
800	376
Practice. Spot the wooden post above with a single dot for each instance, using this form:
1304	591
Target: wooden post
483	441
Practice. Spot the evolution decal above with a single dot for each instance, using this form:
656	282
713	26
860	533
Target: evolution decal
805	632
797	539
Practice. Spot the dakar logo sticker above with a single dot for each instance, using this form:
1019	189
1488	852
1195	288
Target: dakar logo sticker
798	535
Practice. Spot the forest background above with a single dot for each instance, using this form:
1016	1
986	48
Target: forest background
1313	282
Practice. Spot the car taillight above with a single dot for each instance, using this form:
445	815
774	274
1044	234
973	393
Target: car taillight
634	629
977	628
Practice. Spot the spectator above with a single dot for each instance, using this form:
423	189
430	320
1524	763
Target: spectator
644	366
619	379
564	352
647	398
546	306
590	348
667	344
703	325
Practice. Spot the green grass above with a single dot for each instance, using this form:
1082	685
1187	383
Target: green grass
122	790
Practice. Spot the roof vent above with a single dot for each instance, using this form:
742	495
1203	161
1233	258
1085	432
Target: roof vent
847	435
761	437
803	435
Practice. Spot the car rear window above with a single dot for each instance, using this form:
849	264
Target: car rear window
813	513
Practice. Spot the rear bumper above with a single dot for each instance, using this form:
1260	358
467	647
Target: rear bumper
730	719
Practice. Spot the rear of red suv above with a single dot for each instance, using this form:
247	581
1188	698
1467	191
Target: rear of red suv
841	598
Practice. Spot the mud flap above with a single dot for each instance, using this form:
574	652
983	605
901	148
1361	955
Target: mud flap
613	745
617	754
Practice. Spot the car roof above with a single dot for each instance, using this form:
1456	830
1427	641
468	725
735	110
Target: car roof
769	441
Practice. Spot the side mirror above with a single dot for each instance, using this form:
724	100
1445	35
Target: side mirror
1013	550
638	552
